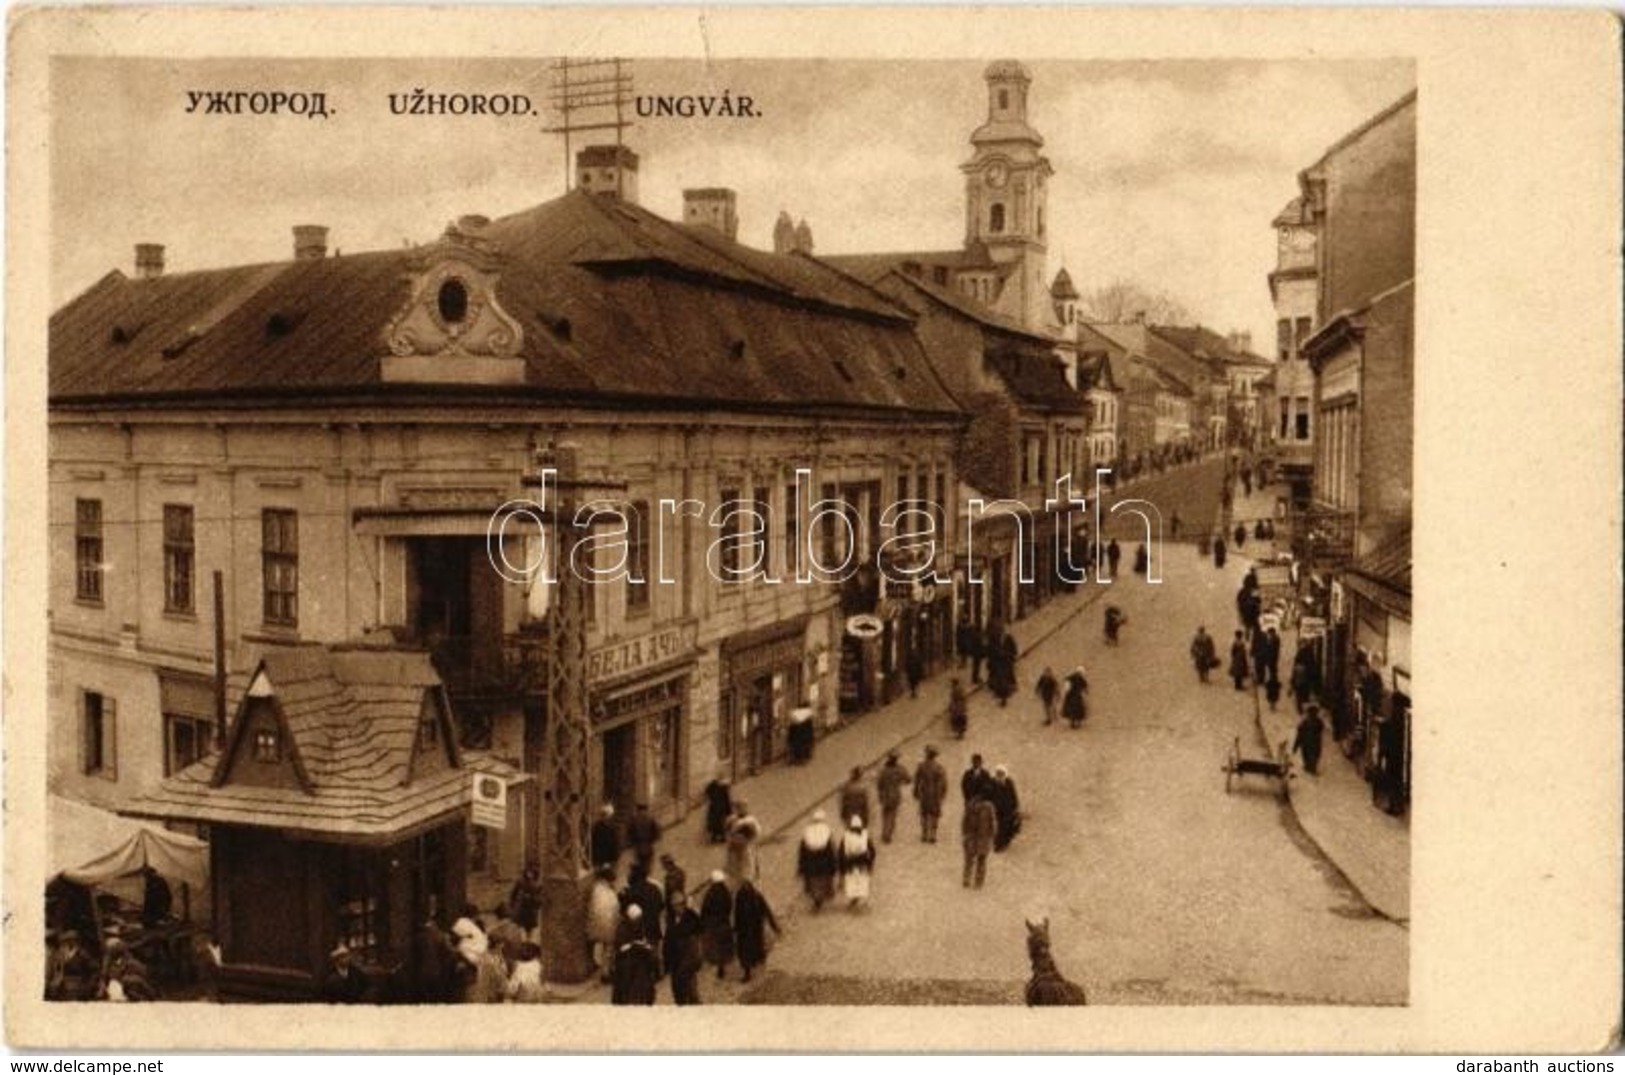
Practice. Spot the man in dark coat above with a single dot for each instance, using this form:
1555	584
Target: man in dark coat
1218	551
718	805
716	923
157	899
1305	674
976	781
606	838
1001	665
1114	553
930	788
1203	653
1240	535
914	668
1075	706
1261	657
636	965
1049	693
674	880
525	901
1238	662
890	783
642	833
958	709
855	797
682	949
1311	730
968	640
752	916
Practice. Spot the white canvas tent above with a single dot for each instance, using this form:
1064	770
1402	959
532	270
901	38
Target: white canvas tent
91	846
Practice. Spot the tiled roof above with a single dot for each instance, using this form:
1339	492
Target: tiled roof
615	304
352	716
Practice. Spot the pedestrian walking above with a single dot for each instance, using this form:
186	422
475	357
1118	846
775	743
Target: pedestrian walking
966	638
958	709
674	878
816	861
642	834
1001	664
889	782
605	838
483	975
976	780
1114	553
1238	662
717	924
743	832
800	735
525	901
752	919
1305	675
978	830
683	958
718	806
854	798
1307	741
1261	657
1272	654
1006	808
1240	536
1203	654
1141	557
636	965
644	894
1049	693
914	668
603	915
1272	690
856	860
1075	707
1218	550
930	788
1114	623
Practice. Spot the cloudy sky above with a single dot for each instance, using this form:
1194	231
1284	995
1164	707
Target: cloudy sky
1166	173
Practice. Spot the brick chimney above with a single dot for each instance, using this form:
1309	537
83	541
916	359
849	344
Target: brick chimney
712	207
611	171
149	261
309	241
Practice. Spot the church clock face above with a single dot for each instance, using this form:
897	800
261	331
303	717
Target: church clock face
997	175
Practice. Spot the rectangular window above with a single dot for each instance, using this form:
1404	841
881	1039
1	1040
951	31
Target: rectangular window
762	542
186	739
1302	429
267	745
1283	338
637	557
731	529
828	547
99	728
179	553
792	531
87	542
942	505
280	561
1300	334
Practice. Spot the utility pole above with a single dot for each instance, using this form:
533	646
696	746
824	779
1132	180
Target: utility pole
590	95
566	803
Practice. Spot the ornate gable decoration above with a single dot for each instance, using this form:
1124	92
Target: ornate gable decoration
452	330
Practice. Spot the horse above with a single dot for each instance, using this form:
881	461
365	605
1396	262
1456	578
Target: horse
1048	987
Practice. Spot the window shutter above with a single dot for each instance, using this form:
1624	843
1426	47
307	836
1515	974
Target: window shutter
109	738
84	733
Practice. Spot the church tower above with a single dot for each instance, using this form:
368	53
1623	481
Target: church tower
1006	188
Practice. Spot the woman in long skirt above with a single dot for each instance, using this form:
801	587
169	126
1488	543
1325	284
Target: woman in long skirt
752	917
857	860
716	924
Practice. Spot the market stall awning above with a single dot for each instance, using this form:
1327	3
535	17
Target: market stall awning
91	846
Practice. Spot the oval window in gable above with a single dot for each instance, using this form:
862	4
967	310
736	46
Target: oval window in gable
453	301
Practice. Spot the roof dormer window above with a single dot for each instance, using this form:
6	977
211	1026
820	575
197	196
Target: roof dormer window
267	745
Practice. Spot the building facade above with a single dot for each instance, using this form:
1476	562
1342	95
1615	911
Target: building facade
1294	290
333	437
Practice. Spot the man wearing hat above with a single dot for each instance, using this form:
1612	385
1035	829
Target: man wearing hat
930	788
343	983
606	838
71	972
890	781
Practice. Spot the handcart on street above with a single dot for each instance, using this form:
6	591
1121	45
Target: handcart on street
1277	767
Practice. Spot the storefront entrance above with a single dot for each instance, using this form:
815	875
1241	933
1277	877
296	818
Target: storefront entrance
620	761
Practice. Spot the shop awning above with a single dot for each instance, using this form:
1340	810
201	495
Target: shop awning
91	846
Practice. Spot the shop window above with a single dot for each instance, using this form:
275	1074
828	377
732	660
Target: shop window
87	542
179	558
186	740
361	924
99	726
279	558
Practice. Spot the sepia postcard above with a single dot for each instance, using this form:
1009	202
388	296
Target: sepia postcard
1098	528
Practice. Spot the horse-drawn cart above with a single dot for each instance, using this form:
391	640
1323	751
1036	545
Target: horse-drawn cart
1278	767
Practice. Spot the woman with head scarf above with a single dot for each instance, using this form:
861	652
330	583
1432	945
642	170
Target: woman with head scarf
603	915
1006	808
743	830
1075	706
636	966
856	859
815	861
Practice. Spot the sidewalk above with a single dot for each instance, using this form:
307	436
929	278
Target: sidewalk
1370	847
